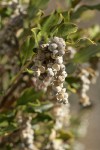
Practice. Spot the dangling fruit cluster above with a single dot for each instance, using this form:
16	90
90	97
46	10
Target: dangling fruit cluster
49	69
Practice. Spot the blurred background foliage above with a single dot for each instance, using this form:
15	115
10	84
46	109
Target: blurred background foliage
24	25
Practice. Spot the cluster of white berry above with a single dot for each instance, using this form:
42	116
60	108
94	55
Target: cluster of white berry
49	69
27	134
57	144
84	99
61	113
16	6
62	116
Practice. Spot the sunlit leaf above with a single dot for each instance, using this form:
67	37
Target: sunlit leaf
70	67
29	95
65	135
40	107
74	82
66	29
34	7
26	50
42	117
49	23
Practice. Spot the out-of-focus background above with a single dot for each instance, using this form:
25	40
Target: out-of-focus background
85	121
90	139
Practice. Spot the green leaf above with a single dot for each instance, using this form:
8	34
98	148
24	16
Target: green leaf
49	21
5	11
29	71
65	135
7	129
66	28
39	108
7	122
44	107
7	116
29	95
26	50
74	82
42	117
86	53
70	67
34	7
84	41
4	124
36	35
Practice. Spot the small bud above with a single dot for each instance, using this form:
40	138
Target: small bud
86	87
60	96
61	84
42	69
37	73
61	52
66	95
53	56
55	52
52	46
56	67
85	79
24	134
57	88
62	67
65	101
61	78
43	46
55	39
85	72
50	72
64	74
83	95
49	65
62	42
85	101
63	90
61	47
59	60
47	55
38	63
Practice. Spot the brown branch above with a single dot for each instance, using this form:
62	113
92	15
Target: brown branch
6	35
10	138
6	100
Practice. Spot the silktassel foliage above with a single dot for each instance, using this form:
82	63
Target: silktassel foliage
44	57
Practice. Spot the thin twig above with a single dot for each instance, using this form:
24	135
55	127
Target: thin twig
14	84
